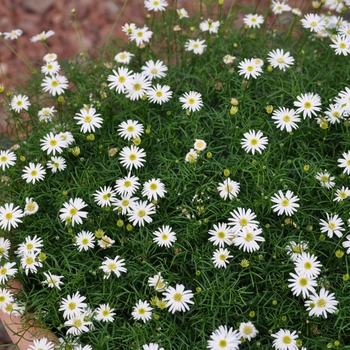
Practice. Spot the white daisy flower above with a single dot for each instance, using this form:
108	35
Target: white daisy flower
71	211
154	70
253	20
285	203
209	26
113	265
88	119
191	101
56	163
104	196
333	225
249	68
178	298
220	257
152	189
321	304
52	280
123	57
247	239
132	157
308	104
84	240
164	236
224	338
120	80
140	213
285	340
228	189
142	311
55	84
197	46
7	159
221	234
130	129
159	94
104	313
254	141
52	143
20	102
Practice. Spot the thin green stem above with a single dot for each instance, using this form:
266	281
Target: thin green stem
113	26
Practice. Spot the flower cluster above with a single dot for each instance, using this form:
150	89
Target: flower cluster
188	186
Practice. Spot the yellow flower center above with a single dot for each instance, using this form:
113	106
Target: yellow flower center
33	173
303	282
253	19
177	297
140	34
164	236
253	142
307	105
196	46
2	299
132	157
342	195
249	237
221	235
154	70
121	79
141	213
247	329
243	222
54	83
137	87
342	45
29	260
112	266
153	187
321	303
29	246
285	202
105	313
87	119
223	343
159	94
123	56
53	143
127	183
313	24
85	241
106	196
191	101
130	128
324	178
331	225
142	311
19	103
286	339
8	216
3	159
73	212
72	305
222	257
286	118
250	68
3	271
308	265
280	60
125	202
30	206
297	249
77	323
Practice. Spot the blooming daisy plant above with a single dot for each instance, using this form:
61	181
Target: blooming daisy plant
187	188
